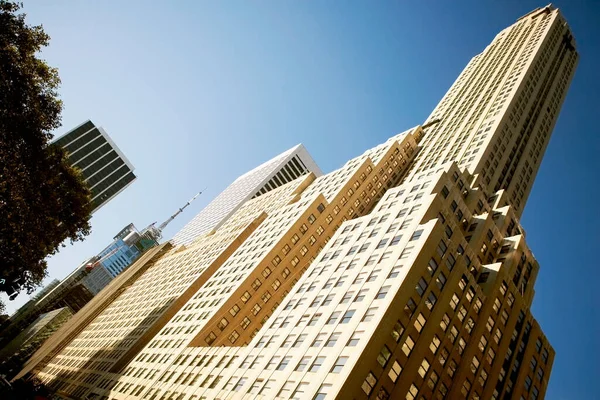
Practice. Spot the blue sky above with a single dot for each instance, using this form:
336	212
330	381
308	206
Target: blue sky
197	93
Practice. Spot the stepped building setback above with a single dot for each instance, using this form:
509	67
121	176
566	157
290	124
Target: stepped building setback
403	274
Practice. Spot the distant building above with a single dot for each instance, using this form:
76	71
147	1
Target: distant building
105	168
13	355
270	175
125	248
67	293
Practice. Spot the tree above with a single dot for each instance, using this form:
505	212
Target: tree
43	200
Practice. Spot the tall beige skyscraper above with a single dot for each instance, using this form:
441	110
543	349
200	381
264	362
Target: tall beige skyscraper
497	117
403	274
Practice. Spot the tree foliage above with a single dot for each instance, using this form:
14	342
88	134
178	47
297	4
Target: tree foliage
43	200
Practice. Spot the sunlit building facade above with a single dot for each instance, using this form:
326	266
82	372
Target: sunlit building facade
278	171
403	274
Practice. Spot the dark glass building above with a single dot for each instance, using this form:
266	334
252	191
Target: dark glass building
105	168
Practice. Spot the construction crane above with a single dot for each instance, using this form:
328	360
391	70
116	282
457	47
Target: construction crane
96	260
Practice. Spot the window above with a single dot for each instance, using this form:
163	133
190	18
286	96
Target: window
346	297
491	354
545	356
302	364
333	317
223	323
433	380
239	384
369	383
266	296
286	389
420	322
394	272
339	364
450	261
435	344
462	313
328	300
284	363
314	319
322	393
443	357
383	356
318	340
412	392
477	305
440	281
445	192
347	316
300	339
474	365
454	302
408	345
432	266
424	368
234	310
416	235
445	322
410	307
246	296
465	388
234	336
381	244
395	371
256	284
430	300
482	343
353	341
332	339
383	292
421	286
538	345
210	338
276	284
448	232
540	374
317	364
441	249
300	391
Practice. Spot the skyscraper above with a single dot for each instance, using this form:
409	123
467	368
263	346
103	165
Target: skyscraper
497	117
105	168
403	274
278	171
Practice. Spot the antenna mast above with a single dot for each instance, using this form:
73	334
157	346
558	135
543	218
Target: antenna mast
162	226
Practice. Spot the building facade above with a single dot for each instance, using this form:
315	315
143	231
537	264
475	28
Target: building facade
403	274
497	117
282	169
15	353
125	248
104	167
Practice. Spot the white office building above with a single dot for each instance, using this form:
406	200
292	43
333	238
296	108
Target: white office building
274	173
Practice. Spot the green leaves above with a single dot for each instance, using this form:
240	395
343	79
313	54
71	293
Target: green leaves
43	200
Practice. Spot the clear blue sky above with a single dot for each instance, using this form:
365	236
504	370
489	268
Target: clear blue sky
197	93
